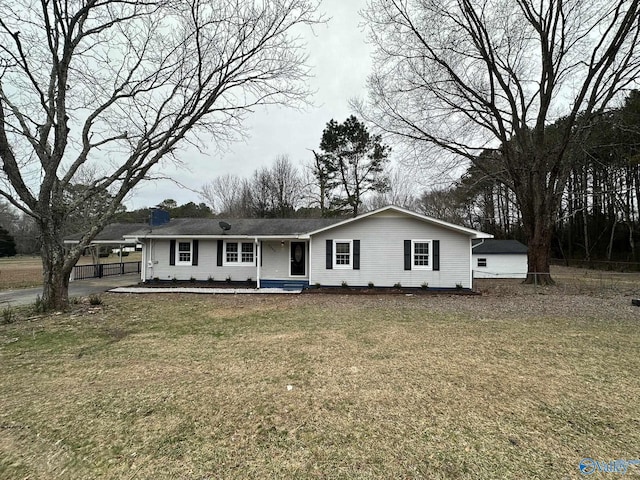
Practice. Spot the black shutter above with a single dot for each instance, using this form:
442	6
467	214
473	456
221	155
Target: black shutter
407	254
172	252
194	254
260	253
329	244
356	254
219	253
436	254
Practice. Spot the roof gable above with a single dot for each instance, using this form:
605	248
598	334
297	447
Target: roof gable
402	211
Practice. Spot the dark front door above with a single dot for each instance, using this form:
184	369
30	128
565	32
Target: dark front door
298	260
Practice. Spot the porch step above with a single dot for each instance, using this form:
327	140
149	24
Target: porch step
285	284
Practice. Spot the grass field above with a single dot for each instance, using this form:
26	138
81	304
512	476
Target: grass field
517	383
26	271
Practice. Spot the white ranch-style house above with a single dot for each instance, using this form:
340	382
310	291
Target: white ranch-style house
385	247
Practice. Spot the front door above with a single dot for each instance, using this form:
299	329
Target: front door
298	261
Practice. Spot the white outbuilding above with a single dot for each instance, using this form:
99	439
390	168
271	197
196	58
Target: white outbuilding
499	259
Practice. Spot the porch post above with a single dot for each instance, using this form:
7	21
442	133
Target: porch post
258	260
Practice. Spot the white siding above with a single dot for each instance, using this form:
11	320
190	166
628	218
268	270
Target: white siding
158	253
501	266
382	253
276	261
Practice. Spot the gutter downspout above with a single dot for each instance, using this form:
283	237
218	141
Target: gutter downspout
258	260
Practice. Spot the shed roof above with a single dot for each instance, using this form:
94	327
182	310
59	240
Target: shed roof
493	246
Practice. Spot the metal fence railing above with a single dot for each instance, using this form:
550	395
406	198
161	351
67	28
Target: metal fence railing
82	272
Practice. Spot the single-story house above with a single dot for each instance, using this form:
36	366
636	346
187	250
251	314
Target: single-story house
386	247
499	259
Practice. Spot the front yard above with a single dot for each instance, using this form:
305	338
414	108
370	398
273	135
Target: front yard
517	383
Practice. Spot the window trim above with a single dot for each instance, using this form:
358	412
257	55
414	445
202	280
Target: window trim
484	259
429	266
177	254
239	262
342	266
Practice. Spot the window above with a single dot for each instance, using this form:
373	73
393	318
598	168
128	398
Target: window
421	254
342	253
184	253
482	262
239	253
247	253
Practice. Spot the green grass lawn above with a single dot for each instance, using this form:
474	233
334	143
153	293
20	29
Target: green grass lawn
322	386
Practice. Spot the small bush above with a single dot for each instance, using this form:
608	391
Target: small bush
371	285
75	300
94	299
8	315
249	280
228	279
317	285
345	284
38	305
424	285
210	279
459	286
397	285
174	280
192	279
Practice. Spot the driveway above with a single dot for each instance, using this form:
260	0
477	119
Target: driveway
77	288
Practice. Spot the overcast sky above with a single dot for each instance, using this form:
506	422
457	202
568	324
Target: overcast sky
341	61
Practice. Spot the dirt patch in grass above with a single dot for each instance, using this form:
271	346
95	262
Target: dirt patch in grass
506	385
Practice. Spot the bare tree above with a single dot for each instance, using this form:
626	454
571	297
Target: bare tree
462	77
402	191
286	187
224	195
124	84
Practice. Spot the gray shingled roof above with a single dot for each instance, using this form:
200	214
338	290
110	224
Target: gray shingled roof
239	226
113	232
492	246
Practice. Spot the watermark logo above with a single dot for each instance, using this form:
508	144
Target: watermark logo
589	466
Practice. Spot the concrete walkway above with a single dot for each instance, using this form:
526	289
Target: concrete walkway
77	288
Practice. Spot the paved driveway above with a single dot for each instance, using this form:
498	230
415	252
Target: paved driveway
77	288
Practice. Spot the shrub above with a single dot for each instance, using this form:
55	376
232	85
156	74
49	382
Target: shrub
371	285
192	279
397	285
317	285
228	279
249	280
459	286
174	280
38	305
345	284
94	299
424	285
8	315
210	279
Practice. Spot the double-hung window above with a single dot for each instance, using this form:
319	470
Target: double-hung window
239	253
184	253
343	253
421	254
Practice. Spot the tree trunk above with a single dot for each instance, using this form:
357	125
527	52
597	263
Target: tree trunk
56	270
539	254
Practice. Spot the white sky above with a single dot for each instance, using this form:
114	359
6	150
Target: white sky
341	61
